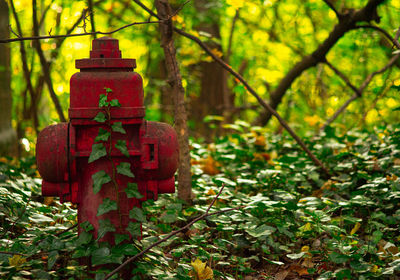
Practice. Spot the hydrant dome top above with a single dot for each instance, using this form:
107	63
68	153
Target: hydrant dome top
105	53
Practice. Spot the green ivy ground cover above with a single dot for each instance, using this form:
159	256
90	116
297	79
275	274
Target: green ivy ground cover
294	224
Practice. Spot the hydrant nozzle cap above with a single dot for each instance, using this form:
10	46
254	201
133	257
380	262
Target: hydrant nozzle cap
105	53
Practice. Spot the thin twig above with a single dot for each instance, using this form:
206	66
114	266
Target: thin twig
384	32
66	230
175	232
343	77
77	34
13	253
359	91
250	89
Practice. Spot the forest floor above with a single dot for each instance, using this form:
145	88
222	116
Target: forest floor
293	223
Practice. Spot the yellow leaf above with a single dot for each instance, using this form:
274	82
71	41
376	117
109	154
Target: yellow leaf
217	52
305	248
355	228
260	141
306	227
201	271
211	192
312	120
16	260
374	268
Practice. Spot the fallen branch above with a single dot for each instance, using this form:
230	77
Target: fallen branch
175	232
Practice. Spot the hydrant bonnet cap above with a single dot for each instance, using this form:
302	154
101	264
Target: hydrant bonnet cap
105	53
105	47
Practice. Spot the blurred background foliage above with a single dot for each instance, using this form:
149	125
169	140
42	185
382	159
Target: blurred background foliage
261	39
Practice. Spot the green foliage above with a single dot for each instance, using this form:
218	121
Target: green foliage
98	151
99	179
100	117
107	206
121	146
104	227
294	220
117	127
137	214
103	135
132	191
124	168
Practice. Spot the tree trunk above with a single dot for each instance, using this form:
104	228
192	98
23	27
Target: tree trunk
214	97
178	95
7	133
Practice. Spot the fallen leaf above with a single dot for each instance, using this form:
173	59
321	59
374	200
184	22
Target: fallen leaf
210	166
308	263
299	269
211	192
16	261
201	271
260	141
281	275
355	228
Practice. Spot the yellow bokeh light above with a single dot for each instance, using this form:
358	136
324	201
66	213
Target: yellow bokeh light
372	116
392	103
235	3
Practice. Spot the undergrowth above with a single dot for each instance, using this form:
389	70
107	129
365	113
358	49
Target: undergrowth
294	223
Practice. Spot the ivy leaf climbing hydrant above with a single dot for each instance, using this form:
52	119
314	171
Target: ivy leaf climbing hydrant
107	159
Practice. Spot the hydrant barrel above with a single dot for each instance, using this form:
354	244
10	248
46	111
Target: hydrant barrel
63	150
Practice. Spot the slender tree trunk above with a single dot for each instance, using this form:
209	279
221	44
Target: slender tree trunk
213	98
178	95
7	133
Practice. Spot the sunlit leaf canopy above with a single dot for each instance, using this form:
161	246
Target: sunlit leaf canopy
268	36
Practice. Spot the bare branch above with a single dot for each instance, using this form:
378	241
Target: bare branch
2	41
365	83
360	90
347	23
173	233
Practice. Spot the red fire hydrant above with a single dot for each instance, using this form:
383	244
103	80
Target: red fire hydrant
63	150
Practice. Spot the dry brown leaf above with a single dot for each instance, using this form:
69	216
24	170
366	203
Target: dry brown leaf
281	275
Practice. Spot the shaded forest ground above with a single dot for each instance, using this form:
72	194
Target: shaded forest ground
294	224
